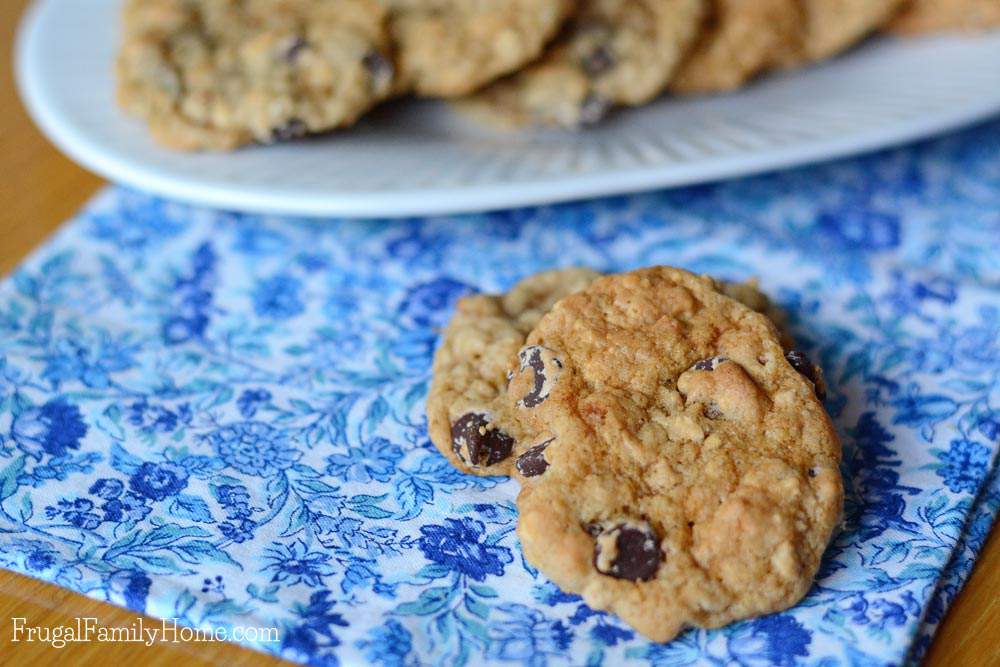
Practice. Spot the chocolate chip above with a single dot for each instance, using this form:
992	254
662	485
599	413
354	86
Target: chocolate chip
598	61
294	49
293	129
545	373
532	462
812	472
636	551
380	68
712	411
474	437
531	357
800	361
594	109
709	364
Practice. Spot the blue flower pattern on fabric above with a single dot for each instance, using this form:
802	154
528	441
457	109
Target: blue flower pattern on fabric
458	545
772	640
295	564
253	448
219	418
157	481
54	428
376	460
278	297
964	465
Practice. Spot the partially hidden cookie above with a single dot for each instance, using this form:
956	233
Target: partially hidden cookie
921	16
468	419
686	473
613	53
740	39
448	48
217	74
833	26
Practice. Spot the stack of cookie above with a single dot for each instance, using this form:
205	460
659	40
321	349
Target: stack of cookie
676	464
217	74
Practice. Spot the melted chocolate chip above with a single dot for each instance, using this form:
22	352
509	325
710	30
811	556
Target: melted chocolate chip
812	472
531	357
712	411
637	554
534	361
293	129
594	109
800	361
296	48
380	68
477	442
532	462
709	364
598	61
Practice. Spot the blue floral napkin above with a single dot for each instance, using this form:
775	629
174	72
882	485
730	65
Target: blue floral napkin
219	418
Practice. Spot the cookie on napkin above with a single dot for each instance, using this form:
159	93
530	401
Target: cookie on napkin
685	473
469	419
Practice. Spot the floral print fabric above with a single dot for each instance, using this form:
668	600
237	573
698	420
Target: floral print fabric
219	418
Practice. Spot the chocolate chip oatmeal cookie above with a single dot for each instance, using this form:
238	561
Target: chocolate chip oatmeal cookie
217	74
613	53
920	16
447	48
740	40
468	419
832	26
685	473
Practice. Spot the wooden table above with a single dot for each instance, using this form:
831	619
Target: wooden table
40	189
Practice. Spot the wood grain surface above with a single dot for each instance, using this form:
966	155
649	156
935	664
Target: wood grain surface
39	189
